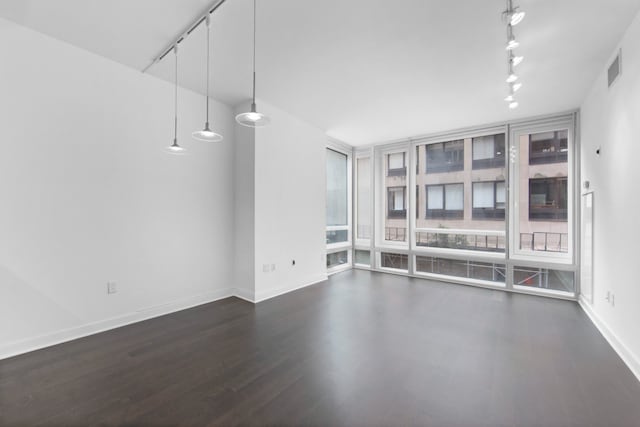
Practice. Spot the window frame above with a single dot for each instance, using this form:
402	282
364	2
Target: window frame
347	245
495	162
444	213
457	166
495	213
545	259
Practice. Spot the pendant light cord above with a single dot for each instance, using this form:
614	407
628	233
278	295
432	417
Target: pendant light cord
208	62
254	51
175	98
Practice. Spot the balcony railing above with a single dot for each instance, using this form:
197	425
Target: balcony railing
545	242
470	240
395	234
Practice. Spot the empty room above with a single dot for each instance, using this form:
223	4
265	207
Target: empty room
319	213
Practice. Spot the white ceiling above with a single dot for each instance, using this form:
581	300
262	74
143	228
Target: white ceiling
365	71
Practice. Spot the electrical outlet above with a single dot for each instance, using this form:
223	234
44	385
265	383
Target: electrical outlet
265	268
273	267
112	288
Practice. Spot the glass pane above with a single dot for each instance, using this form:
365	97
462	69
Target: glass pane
395	194
488	151
461	268
543	187
363	257
336	188
453	194
337	258
396	261
542	278
337	236
445	157
363	198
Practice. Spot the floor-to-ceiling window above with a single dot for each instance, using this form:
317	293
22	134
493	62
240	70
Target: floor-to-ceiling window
492	206
461	195
338	205
542	243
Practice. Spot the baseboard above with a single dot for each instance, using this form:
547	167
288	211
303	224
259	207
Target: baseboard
244	294
35	343
263	296
627	356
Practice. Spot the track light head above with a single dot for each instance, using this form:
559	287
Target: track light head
516	17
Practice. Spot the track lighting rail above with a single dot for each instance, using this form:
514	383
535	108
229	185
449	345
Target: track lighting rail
183	35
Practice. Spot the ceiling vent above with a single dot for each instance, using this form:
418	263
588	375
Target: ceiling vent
615	68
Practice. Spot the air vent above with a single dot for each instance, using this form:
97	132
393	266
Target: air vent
614	69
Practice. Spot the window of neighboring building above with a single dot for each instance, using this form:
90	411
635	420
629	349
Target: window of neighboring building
548	199
396	165
489	200
488	151
396	201
445	157
445	201
548	147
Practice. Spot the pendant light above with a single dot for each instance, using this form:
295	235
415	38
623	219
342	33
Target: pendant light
206	134
253	118
175	148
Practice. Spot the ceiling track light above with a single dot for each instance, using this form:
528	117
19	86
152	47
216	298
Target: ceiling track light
206	134
512	16
253	118
515	60
175	148
512	43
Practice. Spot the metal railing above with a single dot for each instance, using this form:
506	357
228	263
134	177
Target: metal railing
395	234
545	242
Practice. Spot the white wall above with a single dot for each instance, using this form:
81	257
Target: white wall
290	215
610	118
280	214
88	195
244	225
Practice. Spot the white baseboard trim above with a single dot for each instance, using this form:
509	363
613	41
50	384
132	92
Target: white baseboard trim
244	294
627	356
35	343
27	345
272	293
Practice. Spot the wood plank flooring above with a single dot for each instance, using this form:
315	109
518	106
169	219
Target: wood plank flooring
363	349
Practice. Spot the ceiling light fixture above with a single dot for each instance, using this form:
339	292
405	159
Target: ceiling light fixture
512	43
253	118
512	16
516	60
175	148
206	134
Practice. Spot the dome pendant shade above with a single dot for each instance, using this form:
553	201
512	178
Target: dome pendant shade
252	118
175	148
207	135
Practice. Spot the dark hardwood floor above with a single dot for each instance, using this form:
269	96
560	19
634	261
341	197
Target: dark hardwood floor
361	349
